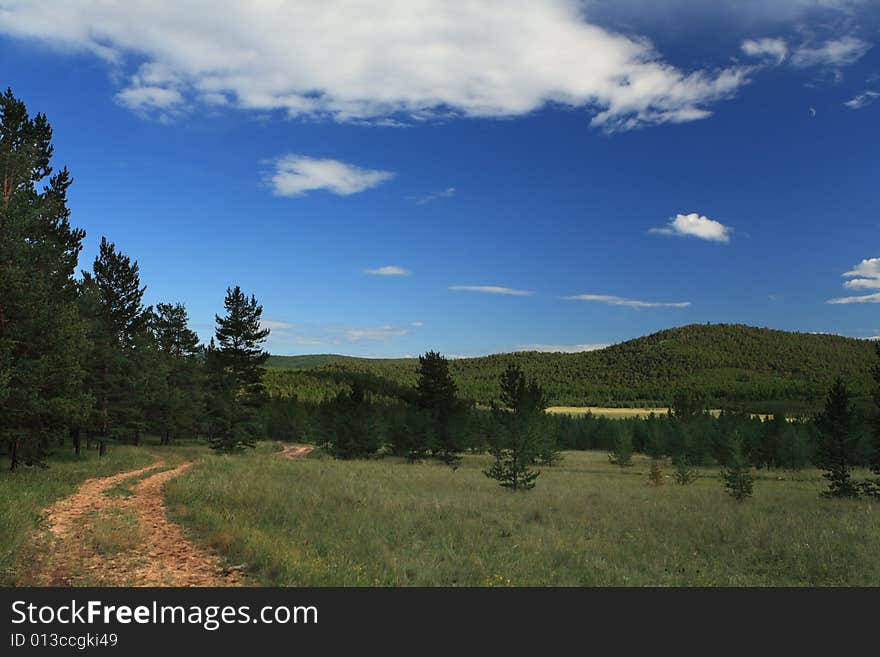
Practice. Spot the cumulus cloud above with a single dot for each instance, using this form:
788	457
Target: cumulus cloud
862	100
695	225
864	276
835	52
449	192
388	270
773	49
631	303
379	60
296	175
491	289
561	348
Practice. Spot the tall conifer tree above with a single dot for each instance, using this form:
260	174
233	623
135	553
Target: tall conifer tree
238	371
41	336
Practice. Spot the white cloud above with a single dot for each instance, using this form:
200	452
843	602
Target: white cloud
388	270
296	175
867	298
695	225
377	334
380	60
561	348
449	192
835	52
275	325
862	100
491	289
632	303
417	324
864	276
775	49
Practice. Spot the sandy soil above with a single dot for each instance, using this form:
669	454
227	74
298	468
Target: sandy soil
295	451
158	554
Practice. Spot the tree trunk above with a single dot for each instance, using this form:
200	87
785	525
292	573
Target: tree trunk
89	439
102	448
75	438
13	455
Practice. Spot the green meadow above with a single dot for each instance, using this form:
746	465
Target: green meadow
385	522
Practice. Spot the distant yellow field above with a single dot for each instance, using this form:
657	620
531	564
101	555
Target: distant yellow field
607	411
622	413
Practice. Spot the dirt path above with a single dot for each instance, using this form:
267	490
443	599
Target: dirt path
96	539
295	451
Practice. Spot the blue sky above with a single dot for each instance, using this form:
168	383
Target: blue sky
400	176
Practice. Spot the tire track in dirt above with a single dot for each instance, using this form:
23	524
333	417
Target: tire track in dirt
160	554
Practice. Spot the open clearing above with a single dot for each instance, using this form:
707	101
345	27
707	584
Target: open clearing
320	522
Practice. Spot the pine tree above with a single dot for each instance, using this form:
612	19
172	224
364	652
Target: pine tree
655	475
875	443
436	396
737	476
353	434
621	451
41	337
238	371
119	342
517	443
836	448
180	403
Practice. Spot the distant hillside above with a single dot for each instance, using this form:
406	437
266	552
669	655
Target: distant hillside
733	364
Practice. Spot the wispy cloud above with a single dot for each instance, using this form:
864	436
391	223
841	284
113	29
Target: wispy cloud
835	52
864	276
289	334
773	49
374	334
491	289
561	348
695	225
295	175
862	100
393	60
631	303
388	270
449	192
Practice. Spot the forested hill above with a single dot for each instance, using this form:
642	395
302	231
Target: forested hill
731	363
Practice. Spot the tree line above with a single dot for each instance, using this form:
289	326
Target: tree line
83	356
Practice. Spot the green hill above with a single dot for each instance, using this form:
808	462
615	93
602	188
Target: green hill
735	365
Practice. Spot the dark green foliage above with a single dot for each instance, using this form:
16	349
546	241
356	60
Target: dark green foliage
235	369
179	395
836	449
875	442
352	434
120	346
734	366
516	442
684	473
737	476
41	337
621	450
436	395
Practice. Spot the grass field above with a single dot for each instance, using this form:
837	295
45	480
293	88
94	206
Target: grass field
318	522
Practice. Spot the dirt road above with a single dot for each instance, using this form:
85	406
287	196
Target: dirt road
295	451
114	531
